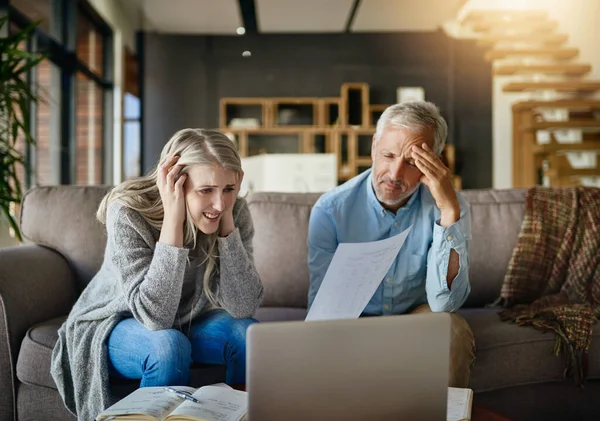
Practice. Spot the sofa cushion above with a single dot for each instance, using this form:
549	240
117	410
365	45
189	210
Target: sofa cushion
510	355
496	217
63	218
280	248
33	364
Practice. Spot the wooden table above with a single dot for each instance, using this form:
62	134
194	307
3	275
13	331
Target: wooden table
480	413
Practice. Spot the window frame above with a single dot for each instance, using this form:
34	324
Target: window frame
61	49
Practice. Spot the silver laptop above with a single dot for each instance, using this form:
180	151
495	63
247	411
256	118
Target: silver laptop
374	368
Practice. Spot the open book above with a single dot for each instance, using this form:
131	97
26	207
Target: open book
214	403
460	402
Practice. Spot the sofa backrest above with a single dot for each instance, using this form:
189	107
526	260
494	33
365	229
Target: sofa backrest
63	218
281	227
496	217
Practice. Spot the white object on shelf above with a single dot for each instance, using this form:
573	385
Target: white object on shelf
410	93
580	160
542	137
569	136
554	114
289	173
590	181
244	123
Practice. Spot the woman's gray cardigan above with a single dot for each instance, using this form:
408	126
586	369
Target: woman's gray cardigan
143	278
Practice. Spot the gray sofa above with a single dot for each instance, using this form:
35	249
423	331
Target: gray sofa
516	373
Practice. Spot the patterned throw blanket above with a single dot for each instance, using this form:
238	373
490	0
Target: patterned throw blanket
553	278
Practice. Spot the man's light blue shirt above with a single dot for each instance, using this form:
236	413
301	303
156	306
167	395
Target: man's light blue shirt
351	213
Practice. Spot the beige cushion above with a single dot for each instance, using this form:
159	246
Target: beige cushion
280	248
509	355
496	217
63	218
33	364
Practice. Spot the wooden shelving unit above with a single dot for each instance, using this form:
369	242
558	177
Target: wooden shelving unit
342	125
531	160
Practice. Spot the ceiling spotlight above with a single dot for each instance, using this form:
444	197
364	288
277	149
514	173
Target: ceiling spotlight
246	53
241	30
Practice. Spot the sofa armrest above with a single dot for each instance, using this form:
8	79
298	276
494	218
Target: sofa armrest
36	284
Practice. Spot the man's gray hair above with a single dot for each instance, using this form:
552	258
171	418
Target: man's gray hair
414	116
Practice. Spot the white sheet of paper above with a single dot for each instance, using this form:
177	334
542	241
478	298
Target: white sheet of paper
353	276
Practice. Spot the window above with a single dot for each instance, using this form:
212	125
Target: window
132	165
47	127
88	132
39	11
72	83
90	43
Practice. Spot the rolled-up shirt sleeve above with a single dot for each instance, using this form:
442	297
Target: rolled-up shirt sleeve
455	237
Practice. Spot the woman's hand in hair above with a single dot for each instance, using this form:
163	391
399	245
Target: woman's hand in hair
227	222
170	185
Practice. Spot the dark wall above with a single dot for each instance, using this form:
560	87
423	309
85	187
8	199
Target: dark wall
184	77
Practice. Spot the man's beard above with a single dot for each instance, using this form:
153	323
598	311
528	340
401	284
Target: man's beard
403	195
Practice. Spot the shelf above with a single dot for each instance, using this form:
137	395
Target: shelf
375	111
593	145
562	69
567	86
294	112
243	108
354	104
556	125
561	103
555	53
525	37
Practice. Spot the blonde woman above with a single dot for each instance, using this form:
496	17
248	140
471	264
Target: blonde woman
177	285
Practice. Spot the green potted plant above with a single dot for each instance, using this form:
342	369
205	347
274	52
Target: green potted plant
16	97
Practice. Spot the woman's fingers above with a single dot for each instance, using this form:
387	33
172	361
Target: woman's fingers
173	174
179	183
165	168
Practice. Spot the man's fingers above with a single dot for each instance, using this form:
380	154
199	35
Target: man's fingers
425	167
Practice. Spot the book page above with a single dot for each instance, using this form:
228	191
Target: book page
355	272
216	404
151	401
459	404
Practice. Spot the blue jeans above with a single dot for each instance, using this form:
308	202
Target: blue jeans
163	357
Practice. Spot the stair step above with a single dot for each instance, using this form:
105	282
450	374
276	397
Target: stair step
586	125
563	69
566	86
528	37
555	53
592	145
573	172
541	26
561	103
498	14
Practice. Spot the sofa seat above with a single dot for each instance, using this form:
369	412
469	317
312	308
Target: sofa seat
33	363
509	355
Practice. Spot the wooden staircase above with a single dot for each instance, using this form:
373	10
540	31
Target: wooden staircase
548	137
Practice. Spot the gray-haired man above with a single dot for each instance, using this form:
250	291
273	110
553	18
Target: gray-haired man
407	185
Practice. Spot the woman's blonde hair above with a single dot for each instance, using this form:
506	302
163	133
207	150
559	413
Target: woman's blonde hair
194	147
